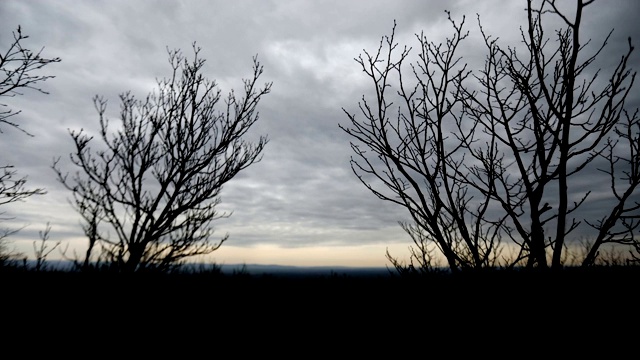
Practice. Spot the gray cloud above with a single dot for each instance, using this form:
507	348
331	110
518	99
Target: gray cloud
303	193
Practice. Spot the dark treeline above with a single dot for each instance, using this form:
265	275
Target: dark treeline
489	312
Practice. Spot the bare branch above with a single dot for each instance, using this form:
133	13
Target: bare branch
156	185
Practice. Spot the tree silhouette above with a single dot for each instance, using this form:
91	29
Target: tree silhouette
480	157
17	67
18	72
156	181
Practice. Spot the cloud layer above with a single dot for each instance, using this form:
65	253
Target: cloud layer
302	195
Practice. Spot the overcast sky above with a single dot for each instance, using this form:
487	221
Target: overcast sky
301	205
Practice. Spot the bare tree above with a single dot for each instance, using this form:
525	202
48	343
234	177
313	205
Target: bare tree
156	183
43	248
414	157
477	157
553	119
18	72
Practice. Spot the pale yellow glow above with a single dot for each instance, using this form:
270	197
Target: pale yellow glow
359	256
372	255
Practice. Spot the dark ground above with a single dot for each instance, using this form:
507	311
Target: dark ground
495	309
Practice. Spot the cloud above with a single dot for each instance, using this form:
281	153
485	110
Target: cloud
303	194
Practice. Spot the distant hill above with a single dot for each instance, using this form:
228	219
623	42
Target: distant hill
281	270
258	269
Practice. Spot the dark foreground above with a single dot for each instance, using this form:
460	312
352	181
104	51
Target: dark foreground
547	308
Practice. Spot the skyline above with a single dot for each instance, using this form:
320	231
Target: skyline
301	205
